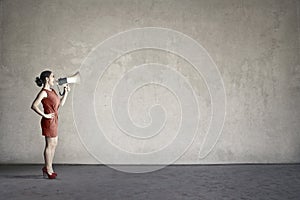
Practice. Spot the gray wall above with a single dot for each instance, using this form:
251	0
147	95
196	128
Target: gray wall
255	45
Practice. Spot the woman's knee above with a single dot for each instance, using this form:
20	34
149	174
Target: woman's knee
51	142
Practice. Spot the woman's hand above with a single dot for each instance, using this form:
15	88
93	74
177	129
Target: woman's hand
49	116
67	88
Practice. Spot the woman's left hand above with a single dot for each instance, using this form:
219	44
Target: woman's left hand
67	88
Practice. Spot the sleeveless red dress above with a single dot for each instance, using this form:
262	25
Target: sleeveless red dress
50	105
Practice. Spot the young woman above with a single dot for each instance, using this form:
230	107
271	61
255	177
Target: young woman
49	123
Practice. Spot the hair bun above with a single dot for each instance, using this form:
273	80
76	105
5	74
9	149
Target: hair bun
42	79
38	81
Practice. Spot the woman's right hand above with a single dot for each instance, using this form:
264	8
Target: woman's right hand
49	116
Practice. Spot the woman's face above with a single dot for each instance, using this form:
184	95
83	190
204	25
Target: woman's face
51	79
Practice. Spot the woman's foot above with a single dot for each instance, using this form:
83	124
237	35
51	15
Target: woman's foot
45	171
50	176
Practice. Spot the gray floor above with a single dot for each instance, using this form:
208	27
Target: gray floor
173	182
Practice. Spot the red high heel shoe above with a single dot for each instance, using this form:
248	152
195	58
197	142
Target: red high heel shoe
45	170
50	176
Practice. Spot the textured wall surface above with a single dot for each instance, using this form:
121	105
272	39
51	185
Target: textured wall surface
254	44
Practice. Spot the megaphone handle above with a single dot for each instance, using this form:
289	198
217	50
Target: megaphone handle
60	93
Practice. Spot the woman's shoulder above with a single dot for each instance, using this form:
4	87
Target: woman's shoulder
43	93
47	90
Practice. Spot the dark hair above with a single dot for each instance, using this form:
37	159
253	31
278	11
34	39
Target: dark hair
42	79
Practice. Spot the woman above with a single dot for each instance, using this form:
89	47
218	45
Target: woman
49	123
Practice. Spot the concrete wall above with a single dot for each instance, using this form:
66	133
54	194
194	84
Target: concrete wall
255	45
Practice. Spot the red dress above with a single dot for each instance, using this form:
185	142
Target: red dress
50	105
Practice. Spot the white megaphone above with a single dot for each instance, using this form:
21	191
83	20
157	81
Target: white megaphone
71	79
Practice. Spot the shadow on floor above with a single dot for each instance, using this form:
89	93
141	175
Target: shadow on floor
22	177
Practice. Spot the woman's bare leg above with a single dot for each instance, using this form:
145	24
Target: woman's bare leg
51	143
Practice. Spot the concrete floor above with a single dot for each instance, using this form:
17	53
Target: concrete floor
173	182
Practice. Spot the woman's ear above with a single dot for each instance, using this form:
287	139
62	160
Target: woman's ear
47	79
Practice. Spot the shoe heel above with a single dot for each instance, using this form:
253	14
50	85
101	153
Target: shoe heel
44	175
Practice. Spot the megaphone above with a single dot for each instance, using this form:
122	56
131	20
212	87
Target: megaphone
71	79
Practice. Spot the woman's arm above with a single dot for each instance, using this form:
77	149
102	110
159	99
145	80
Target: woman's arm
66	91
36	103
